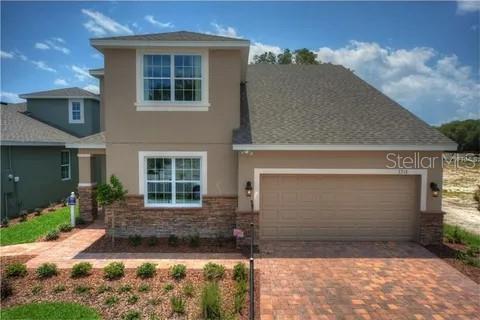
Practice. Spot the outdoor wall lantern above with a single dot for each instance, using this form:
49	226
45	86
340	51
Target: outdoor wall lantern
435	189
248	189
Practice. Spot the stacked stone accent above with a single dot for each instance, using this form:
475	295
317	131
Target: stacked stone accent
216	218
431	228
87	202
243	221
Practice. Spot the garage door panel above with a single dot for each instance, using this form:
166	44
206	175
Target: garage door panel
338	207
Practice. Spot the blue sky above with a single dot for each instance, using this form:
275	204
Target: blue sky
424	55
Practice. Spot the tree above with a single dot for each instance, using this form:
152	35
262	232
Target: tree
305	56
266	57
285	58
466	133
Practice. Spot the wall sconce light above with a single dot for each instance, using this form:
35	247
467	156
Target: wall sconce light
248	189
435	189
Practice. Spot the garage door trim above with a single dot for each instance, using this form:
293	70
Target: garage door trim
418	172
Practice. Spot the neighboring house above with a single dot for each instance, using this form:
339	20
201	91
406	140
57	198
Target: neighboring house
37	168
189	125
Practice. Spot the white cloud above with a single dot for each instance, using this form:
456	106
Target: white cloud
92	88
58	39
60	82
468	6
259	48
9	97
100	25
97	56
157	23
225	31
41	46
81	73
43	66
437	88
6	55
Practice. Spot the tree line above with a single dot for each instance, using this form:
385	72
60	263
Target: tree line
300	56
466	133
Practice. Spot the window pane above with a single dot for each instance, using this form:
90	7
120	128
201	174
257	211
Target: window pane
64	172
188	73
156	73
187	192
159	192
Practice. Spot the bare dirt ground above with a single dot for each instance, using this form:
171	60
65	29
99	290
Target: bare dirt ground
459	184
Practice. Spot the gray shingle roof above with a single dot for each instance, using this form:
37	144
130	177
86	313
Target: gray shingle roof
20	129
73	92
324	104
96	140
173	36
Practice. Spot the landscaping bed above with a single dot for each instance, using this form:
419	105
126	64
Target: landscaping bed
142	245
49	311
131	295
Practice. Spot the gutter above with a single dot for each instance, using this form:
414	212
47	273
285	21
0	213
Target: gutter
342	147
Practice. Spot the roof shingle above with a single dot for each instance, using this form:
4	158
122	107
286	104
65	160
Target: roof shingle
324	105
73	92
173	36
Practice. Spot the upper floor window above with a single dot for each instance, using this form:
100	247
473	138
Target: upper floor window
75	111
172	81
65	165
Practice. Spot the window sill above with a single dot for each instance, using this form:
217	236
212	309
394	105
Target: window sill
163	206
172	107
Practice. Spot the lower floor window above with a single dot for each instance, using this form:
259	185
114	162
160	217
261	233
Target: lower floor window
65	164
173	180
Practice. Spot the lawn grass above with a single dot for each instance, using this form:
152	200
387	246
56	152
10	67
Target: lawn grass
36	227
465	236
49	311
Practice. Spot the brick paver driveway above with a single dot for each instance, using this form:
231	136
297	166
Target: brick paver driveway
328	280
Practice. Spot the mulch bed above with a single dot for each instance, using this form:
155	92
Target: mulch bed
6	260
104	244
154	302
448	253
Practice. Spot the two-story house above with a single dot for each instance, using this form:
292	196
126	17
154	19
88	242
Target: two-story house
37	168
205	143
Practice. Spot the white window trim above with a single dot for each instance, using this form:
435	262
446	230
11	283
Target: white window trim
69	165
142	155
70	109
423	173
142	105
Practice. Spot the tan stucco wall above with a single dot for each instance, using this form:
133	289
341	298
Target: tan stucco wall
85	174
330	160
126	125
122	160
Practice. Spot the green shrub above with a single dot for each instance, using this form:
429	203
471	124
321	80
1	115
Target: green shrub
173	240
111	300
81	269
104	288
473	250
476	196
5	222
37	289
210	301
154	301
135	240
178	304
144	287
52	235
194	240
125	288
178	271
47	270
6	289
132	299
16	269
131	315
240	295
152	241
213	271
80	221
146	270
65	227
188	289
168	287
23	216
59	288
114	270
240	272
81	289
37	212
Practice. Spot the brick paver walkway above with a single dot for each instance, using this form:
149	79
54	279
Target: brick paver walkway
322	280
25	249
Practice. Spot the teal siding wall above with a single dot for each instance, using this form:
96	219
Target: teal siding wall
55	112
40	181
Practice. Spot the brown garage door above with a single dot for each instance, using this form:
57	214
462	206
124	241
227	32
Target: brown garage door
338	207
